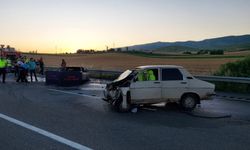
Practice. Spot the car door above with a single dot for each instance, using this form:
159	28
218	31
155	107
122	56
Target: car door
146	91
173	83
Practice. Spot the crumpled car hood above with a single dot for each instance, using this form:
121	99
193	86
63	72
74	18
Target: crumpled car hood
127	75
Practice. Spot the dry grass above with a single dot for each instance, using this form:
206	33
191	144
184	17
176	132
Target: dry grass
118	61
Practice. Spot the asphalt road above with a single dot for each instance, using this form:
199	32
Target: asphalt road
80	116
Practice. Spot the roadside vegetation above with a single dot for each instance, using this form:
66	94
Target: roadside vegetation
240	68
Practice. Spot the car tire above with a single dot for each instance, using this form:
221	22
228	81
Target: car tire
189	102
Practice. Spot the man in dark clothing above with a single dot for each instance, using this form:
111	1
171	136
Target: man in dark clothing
41	63
23	71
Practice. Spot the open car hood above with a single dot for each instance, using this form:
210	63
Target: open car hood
127	75
123	76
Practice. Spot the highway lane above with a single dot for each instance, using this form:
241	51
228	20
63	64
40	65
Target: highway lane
14	137
81	116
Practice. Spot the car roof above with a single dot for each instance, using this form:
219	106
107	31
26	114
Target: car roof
159	66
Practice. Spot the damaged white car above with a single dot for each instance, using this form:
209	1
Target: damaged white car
156	84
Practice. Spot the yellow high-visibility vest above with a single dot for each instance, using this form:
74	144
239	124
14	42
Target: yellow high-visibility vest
3	63
151	76
140	76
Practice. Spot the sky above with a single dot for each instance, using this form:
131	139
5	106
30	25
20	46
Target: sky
58	26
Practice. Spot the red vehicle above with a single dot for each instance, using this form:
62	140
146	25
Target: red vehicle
11	54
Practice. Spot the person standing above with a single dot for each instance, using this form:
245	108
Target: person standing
15	68
3	65
63	65
18	68
41	63
9	65
23	69
32	69
25	73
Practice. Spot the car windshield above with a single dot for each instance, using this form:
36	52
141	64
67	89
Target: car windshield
124	75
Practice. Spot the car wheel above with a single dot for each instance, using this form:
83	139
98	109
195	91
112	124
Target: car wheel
189	102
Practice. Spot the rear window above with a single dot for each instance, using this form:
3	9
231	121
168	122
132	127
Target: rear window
171	74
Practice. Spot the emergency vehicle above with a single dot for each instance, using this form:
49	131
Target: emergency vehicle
11	55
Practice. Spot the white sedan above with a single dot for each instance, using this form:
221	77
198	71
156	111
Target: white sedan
156	84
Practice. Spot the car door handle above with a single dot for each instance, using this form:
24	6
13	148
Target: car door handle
157	82
183	82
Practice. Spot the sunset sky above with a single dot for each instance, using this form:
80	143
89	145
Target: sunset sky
67	25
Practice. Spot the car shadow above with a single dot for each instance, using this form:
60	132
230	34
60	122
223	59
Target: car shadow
172	115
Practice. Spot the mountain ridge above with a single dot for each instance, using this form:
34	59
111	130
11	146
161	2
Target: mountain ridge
231	42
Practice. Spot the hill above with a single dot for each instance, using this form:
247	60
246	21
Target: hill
226	43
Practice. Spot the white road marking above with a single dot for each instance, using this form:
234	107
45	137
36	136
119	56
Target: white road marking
97	84
45	133
92	89
84	95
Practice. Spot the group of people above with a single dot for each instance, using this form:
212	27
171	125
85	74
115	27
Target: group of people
22	67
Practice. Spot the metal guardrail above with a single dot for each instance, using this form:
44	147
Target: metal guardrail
225	79
105	71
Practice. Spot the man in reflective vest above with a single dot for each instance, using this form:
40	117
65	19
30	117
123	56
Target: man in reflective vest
150	75
3	65
9	65
140	76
